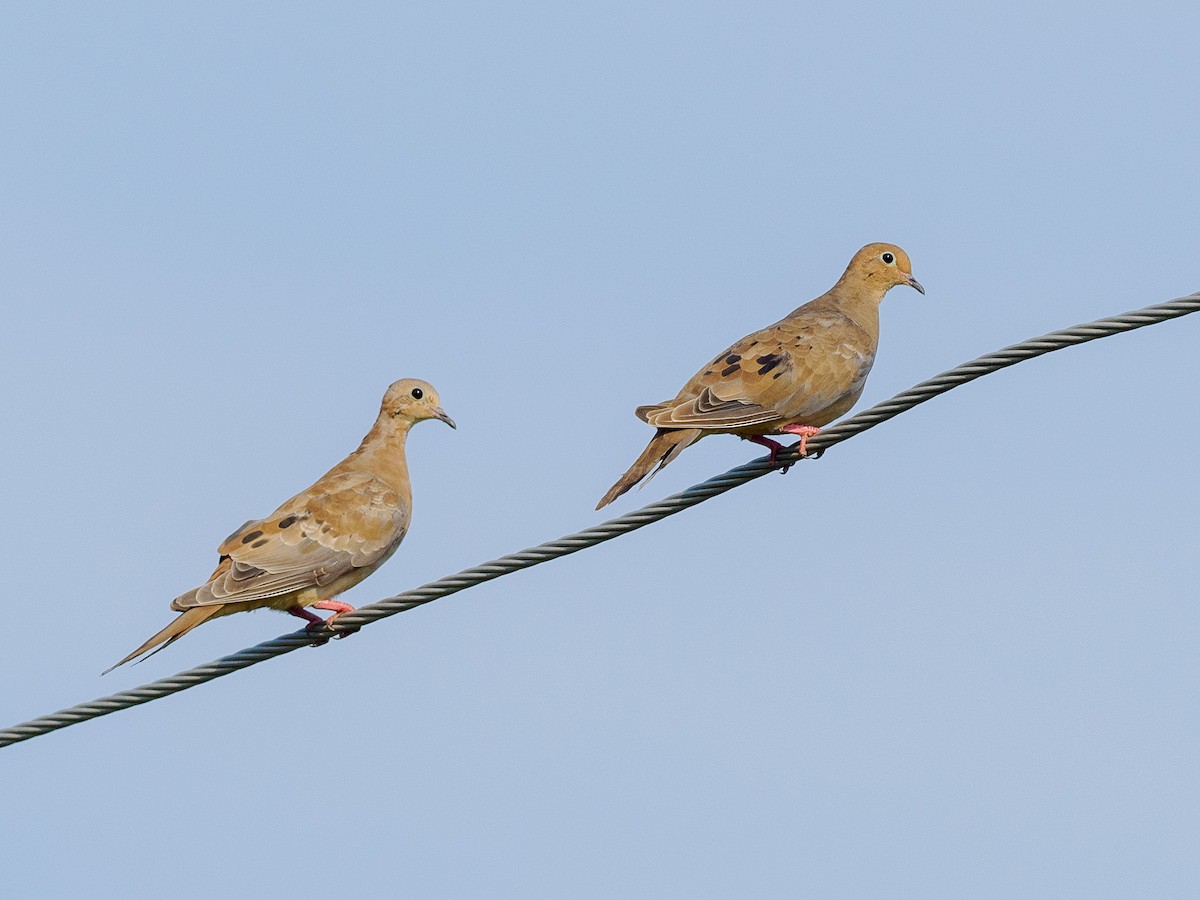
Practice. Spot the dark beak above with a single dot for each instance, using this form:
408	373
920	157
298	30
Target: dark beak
912	282
440	413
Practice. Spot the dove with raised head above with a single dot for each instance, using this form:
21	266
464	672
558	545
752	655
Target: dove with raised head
789	378
322	541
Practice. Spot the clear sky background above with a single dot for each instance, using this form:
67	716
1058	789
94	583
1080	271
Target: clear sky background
955	657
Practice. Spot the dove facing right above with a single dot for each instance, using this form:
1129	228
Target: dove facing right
324	540
789	378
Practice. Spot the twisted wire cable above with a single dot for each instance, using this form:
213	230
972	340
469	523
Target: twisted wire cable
613	528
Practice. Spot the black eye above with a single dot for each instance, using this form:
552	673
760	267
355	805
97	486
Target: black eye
417	393
888	257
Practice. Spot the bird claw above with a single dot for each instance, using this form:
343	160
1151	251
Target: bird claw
318	632
322	634
807	454
802	451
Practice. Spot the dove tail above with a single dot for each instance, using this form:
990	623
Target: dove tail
663	447
182	624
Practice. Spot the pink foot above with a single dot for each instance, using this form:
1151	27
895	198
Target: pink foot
805	432
775	446
314	621
339	608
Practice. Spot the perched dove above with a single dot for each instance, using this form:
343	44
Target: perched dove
324	540
790	378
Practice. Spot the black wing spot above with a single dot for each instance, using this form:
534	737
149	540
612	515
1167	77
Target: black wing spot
288	522
768	362
261	543
729	370
733	358
252	536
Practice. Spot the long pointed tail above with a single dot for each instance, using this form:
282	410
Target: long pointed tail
182	624
663	447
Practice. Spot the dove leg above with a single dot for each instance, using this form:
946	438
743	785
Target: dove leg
774	446
805	432
337	606
315	622
301	613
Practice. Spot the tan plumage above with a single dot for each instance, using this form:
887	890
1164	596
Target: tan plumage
324	540
791	377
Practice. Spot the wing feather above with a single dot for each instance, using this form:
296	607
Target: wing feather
802	369
354	521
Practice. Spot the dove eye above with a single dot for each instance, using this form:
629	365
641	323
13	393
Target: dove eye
417	393
888	258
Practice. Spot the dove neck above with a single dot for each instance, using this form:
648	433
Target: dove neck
382	452
859	299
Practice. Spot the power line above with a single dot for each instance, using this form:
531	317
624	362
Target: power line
613	528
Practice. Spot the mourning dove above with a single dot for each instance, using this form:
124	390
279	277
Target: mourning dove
324	540
790	378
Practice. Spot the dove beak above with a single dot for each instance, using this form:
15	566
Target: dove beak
440	413
913	283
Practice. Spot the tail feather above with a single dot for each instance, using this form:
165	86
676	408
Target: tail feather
181	625
667	444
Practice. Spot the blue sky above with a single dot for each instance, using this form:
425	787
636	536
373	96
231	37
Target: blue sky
954	657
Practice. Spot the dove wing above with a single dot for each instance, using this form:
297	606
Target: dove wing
801	369
344	522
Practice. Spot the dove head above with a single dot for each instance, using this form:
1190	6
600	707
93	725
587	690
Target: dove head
879	268
410	400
